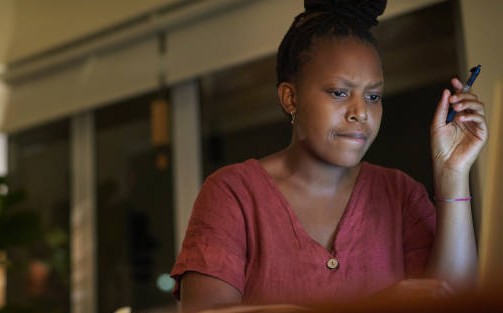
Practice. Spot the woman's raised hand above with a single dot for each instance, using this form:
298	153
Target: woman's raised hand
456	145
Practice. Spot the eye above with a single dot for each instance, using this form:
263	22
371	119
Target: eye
373	98
339	93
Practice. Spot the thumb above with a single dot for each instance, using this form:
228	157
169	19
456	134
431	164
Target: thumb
441	110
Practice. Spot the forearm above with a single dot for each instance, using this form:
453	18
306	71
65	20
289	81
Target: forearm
454	256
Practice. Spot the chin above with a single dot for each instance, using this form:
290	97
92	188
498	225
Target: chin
348	160
345	162
349	164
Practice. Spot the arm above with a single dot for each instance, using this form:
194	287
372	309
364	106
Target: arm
210	267
205	294
201	292
455	147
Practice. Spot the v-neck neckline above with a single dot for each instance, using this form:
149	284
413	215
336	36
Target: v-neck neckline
298	227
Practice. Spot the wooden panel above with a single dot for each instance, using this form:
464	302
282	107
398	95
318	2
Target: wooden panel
491	254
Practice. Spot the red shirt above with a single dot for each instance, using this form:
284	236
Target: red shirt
243	231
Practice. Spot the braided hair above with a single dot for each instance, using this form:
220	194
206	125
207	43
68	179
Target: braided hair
325	19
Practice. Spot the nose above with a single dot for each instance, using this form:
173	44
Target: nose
357	110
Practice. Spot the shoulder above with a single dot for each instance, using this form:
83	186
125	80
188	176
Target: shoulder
235	170
224	193
237	173
236	179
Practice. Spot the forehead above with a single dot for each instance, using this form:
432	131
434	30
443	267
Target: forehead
343	57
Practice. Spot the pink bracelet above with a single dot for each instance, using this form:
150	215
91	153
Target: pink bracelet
454	199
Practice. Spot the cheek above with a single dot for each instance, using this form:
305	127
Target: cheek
376	117
320	118
312	109
314	123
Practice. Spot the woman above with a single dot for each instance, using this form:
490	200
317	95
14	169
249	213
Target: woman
313	223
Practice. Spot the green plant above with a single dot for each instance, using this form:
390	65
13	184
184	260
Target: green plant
17	228
21	230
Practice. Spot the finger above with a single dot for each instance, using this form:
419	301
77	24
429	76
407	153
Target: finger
457	84
479	127
441	110
423	284
469	107
442	290
468	117
462	97
447	287
439	289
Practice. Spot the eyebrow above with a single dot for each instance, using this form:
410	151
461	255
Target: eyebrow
351	84
376	85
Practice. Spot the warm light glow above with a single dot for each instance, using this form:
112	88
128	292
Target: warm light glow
159	123
123	310
3	278
38	274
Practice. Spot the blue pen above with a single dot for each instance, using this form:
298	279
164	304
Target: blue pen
474	73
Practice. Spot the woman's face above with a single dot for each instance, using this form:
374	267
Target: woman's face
337	97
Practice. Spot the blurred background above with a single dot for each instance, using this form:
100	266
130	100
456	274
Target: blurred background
112	113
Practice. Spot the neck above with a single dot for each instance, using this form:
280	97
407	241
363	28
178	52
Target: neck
304	168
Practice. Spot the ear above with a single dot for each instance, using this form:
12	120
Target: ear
286	94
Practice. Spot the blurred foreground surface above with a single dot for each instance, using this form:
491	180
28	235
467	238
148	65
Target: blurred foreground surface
487	301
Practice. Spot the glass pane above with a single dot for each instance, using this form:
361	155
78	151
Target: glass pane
241	116
134	205
38	165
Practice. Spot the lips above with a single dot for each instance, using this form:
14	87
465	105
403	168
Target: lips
359	136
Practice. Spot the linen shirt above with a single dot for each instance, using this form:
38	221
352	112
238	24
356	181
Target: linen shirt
243	231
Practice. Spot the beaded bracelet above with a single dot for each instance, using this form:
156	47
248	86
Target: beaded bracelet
454	199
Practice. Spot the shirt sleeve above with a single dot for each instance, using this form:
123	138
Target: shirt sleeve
215	240
418	231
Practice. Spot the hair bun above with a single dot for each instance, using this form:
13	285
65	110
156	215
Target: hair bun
366	11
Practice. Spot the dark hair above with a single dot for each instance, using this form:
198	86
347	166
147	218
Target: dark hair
325	18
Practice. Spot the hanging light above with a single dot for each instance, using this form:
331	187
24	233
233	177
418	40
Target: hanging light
159	122
159	112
